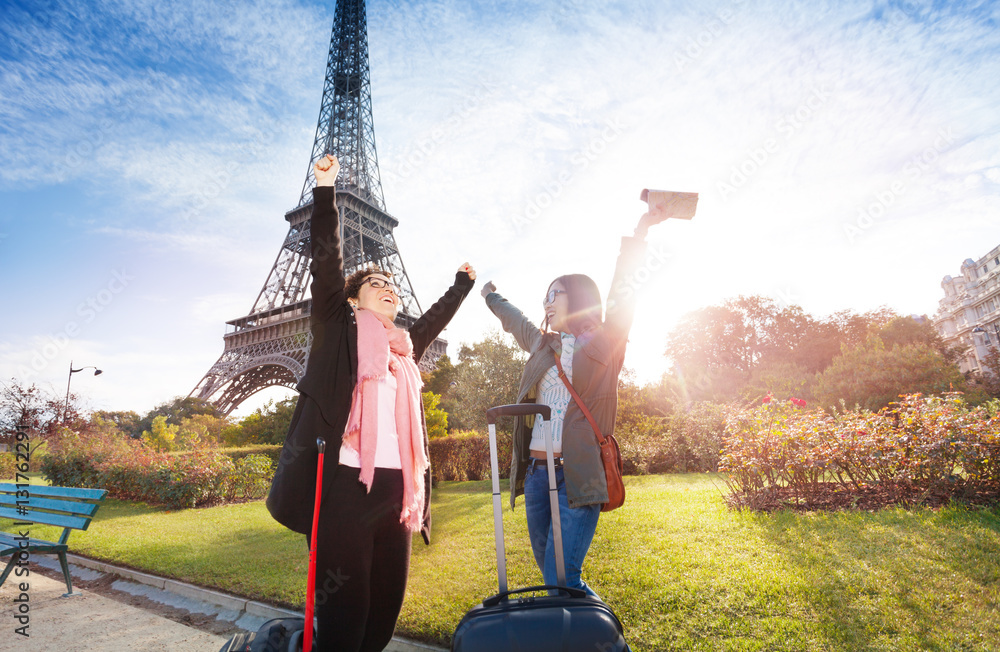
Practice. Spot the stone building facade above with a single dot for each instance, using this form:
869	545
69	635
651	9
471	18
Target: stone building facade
969	314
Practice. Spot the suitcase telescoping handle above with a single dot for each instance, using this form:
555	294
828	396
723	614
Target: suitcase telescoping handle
517	410
311	580
520	410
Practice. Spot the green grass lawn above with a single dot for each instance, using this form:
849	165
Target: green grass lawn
681	570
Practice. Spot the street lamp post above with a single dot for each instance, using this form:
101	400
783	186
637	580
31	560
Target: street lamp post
97	372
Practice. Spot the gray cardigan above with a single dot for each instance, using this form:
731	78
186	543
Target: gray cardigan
597	361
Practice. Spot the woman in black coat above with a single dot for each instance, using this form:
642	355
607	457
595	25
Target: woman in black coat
367	513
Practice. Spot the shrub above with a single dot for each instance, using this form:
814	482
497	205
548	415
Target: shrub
271	451
683	442
917	450
130	470
466	456
251	477
8	466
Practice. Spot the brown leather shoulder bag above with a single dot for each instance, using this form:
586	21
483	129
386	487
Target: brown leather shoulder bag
611	455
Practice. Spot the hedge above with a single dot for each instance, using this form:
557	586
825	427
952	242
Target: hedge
466	456
236	453
130	470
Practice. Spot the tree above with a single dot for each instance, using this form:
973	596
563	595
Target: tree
265	425
488	373
435	417
127	422
177	410
715	350
30	408
740	348
783	379
203	429
908	330
438	381
872	376
161	434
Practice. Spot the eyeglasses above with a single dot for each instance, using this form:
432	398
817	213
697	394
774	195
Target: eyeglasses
380	284
550	298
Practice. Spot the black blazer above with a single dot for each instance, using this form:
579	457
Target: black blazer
331	373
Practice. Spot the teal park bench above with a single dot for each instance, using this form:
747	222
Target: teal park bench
66	507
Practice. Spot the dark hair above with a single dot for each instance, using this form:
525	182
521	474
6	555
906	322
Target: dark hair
352	286
585	306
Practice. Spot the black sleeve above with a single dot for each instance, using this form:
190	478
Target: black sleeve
327	265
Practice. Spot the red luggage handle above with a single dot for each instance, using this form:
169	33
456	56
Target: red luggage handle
311	581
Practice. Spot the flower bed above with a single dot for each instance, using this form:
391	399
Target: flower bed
920	450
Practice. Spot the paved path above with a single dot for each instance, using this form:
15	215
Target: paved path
90	622
119	610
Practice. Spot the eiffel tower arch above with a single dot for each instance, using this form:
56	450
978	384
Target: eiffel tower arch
270	345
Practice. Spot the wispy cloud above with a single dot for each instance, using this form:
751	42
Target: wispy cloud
188	128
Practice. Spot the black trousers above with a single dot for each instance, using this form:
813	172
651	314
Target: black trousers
362	561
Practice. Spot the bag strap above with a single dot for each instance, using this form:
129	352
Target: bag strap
579	401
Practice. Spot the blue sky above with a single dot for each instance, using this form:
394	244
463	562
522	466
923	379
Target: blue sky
847	156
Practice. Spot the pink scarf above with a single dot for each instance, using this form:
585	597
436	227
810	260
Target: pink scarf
385	349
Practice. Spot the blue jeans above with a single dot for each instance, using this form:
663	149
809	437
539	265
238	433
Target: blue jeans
578	527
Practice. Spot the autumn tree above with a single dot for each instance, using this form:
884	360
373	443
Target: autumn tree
31	408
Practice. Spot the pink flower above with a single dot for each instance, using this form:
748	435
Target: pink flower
767	399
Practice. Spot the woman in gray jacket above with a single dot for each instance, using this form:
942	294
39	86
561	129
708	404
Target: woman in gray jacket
592	352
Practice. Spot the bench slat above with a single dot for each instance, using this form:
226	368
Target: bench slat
46	518
71	493
49	504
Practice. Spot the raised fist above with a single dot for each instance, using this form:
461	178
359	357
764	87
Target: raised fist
467	268
326	170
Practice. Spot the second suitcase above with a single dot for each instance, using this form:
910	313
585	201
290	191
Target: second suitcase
564	620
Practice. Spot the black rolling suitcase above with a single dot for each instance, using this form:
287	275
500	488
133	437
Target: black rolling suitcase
567	620
288	634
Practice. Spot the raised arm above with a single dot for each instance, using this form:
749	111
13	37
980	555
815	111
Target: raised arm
434	320
624	285
327	266
512	320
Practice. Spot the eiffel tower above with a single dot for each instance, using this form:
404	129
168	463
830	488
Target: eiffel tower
270	345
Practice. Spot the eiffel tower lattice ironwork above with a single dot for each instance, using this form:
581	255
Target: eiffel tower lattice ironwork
270	345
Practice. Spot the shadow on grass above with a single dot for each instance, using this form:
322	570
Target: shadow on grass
893	578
